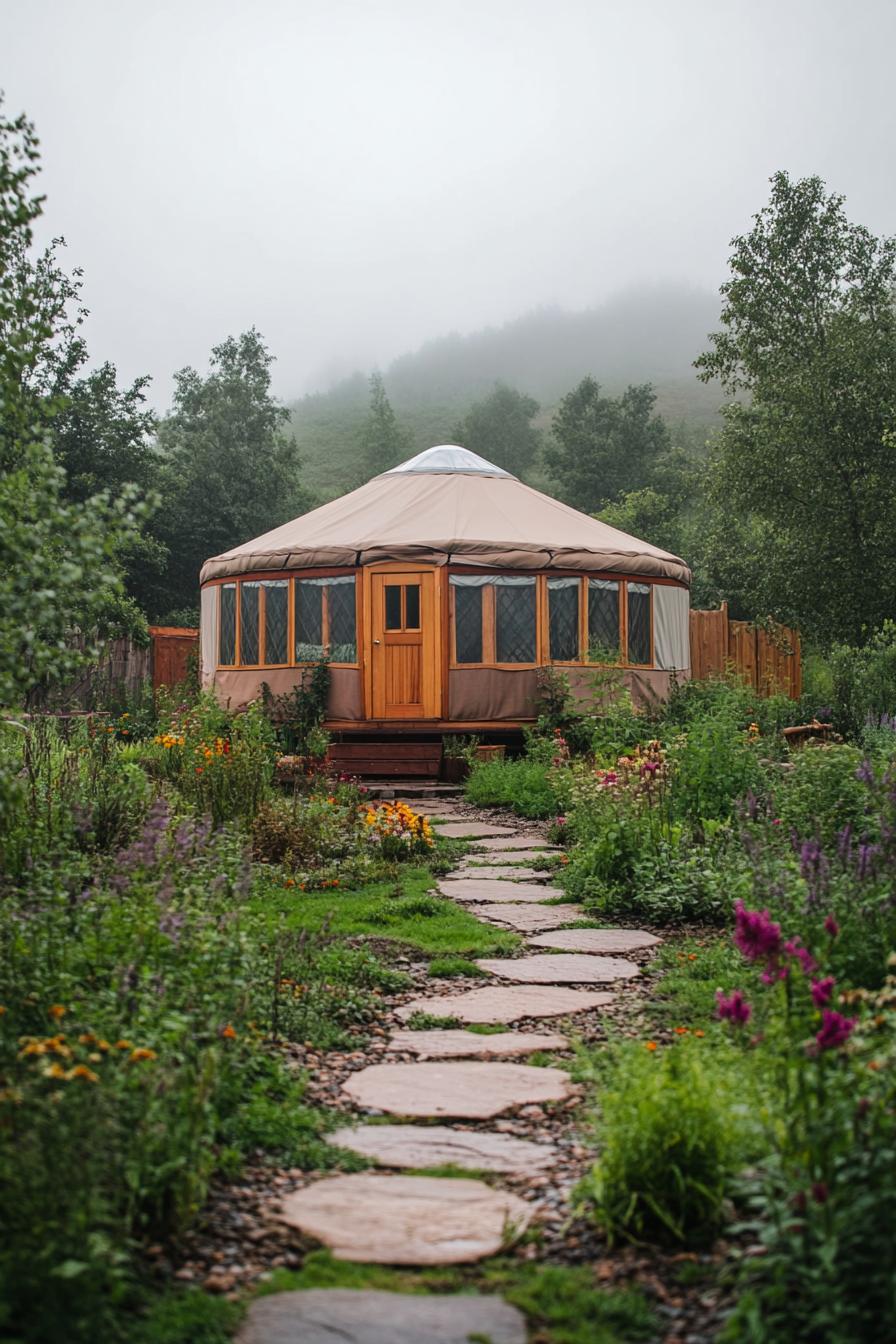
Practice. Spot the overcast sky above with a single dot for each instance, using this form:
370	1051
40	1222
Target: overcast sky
355	176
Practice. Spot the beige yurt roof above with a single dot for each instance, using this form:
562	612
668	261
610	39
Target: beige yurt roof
447	505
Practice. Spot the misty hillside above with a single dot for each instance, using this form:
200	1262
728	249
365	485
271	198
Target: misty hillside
648	335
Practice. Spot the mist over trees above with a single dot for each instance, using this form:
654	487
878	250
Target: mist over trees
500	429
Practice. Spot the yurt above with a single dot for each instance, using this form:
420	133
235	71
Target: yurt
436	591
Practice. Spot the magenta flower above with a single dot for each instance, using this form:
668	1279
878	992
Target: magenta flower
831	926
755	934
835	1029
733	1008
773	973
820	1192
561	821
822	991
802	955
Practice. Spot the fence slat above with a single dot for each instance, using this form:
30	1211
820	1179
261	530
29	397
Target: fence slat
768	660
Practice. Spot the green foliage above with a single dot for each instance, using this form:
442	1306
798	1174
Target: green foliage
863	682
525	785
713	765
808	312
694	968
674	1132
300	712
455	966
499	428
820	793
603	446
384	443
186	1317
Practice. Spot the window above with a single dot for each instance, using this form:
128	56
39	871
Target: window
227	631
563	619
325	619
497	625
603	621
249	609
639	633
275	594
402	606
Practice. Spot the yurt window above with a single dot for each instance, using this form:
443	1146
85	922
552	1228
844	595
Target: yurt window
325	619
467	620
276	620
249	610
494	618
227	627
563	619
515	620
639	632
603	620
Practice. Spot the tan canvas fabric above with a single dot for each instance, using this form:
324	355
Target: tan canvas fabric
208	635
236	687
439	516
671	628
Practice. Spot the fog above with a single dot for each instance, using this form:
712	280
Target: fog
354	177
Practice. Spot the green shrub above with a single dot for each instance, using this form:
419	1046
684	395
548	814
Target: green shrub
525	785
714	764
674	1131
820	793
863	682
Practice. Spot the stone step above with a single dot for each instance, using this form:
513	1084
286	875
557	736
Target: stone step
369	1316
472	830
406	1220
500	873
484	889
461	1089
599	941
563	969
455	1044
507	1003
528	918
518	840
497	857
439	1145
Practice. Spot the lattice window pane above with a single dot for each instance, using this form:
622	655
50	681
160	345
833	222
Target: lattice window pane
639	623
563	619
227	632
343	639
515	621
276	620
467	624
309	620
603	620
249	603
412	606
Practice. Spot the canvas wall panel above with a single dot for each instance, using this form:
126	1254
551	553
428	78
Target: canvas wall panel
491	693
208	635
237	687
671	627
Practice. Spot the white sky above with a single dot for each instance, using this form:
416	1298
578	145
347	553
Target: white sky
355	176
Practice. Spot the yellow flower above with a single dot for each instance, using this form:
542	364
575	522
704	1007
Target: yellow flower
57	1011
124	1045
82	1071
142	1053
54	1071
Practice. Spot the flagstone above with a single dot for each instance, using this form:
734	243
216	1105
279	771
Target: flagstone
485	889
514	840
545	968
499	873
497	857
440	1145
507	1003
457	1044
528	918
406	1220
601	941
371	1316
464	1089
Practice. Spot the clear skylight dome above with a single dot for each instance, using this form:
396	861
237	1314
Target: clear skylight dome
447	459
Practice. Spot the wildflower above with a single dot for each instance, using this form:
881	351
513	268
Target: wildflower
82	1071
57	1011
681	1031
650	1045
822	991
865	773
54	1071
733	1008
87	1038
700	1033
124	1045
199	769
820	1192
140	1054
802	955
228	1032
755	934
831	927
835	1029
2	1009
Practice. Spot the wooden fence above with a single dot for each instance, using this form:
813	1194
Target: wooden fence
768	659
123	670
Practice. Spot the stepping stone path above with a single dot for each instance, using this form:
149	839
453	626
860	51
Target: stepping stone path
599	942
469	1090
562	969
485	889
438	1145
447	1044
528	918
386	1218
349	1316
507	1003
406	1220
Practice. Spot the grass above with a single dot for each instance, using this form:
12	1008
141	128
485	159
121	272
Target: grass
430	1022
406	912
563	1305
186	1316
694	969
521	784
455	966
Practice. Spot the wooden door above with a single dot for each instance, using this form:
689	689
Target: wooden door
404	655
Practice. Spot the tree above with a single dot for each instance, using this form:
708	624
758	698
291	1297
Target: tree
603	446
499	428
229	471
384	442
809	345
59	562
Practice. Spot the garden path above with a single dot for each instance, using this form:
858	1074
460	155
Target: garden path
387	1218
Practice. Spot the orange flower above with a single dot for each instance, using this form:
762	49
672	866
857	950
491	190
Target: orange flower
699	1033
650	1045
874	1065
228	1032
681	1031
55	1071
290	882
692	956
82	1071
58	1010
199	769
141	1053
87	1038
124	1045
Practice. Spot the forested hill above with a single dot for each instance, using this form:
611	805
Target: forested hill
647	335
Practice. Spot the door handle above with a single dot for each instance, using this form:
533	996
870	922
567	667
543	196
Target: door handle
377	641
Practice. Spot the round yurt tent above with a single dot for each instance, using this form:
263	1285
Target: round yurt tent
436	591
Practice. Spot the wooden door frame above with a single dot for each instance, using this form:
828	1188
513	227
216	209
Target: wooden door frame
365	642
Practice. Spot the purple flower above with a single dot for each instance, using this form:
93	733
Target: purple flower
733	1008
831	926
755	934
802	955
865	773
822	991
815	868
773	973
835	1029
820	1192
844	843
868	855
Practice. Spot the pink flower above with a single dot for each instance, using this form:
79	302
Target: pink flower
802	955
835	1029
822	991
773	973
733	1008
777	821
831	926
755	934
561	821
